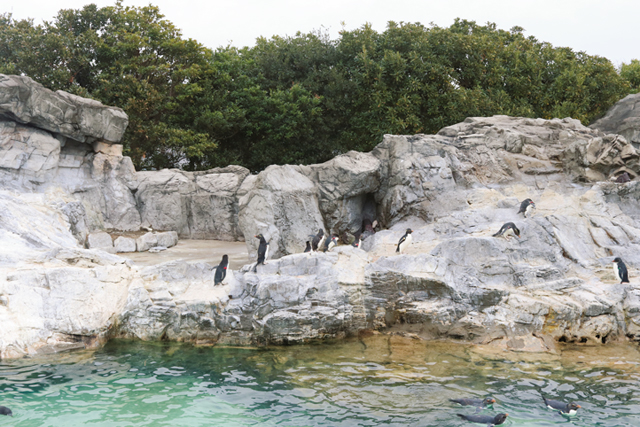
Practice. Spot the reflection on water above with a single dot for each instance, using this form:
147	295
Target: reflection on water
380	380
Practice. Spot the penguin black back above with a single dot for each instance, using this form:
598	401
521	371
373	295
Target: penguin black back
526	206
564	408
308	248
507	230
315	242
5	411
263	251
485	419
221	270
474	402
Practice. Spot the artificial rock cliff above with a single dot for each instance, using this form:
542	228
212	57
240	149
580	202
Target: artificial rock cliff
63	177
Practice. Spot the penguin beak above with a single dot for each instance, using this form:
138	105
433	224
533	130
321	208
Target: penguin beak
579	406
493	401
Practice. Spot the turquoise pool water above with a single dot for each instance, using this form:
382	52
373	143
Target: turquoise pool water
376	381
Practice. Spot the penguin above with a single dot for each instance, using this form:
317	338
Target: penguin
526	207
569	409
5	411
357	243
318	240
263	251
485	419
332	243
221	270
507	230
620	270
622	178
404	241
478	403
308	248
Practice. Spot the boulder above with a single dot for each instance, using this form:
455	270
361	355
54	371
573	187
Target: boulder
82	119
347	185
100	240
124	244
167	239
146	242
198	205
622	119
283	206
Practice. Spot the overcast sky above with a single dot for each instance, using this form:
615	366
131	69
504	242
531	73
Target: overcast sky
606	28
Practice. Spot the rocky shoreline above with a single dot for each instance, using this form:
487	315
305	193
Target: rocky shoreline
60	185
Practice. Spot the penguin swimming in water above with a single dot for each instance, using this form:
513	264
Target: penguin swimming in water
263	251
5	411
308	248
569	409
485	419
404	241
507	230
526	207
620	270
318	240
478	403
221	270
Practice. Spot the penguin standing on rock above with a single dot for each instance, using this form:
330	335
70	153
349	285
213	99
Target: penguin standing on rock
332	243
620	270
5	411
507	230
221	270
263	251
318	240
404	241
526	207
485	419
357	243
569	409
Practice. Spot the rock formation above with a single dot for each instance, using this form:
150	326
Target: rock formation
622	119
62	189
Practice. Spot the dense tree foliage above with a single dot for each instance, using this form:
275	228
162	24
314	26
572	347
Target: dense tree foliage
300	99
631	73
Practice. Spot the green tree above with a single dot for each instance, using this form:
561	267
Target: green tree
631	73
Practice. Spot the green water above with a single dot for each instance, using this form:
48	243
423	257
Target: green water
380	380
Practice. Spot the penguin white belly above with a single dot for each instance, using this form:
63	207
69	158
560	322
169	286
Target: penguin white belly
616	271
571	412
528	210
266	253
406	243
508	233
321	244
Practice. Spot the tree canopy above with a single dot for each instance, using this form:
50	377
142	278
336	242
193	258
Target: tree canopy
305	98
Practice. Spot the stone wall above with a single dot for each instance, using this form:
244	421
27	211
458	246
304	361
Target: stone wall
455	189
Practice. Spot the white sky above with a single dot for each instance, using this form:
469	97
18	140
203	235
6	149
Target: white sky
607	28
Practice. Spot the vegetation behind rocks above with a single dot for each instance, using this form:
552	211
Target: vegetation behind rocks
301	99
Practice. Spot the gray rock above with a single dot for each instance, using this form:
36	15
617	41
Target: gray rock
100	240
124	244
283	206
146	242
622	119
84	120
200	205
167	239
